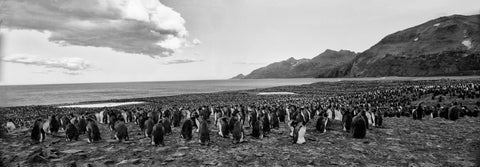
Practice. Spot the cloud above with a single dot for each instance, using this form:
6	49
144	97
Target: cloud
181	61
71	73
196	41
71	64
133	26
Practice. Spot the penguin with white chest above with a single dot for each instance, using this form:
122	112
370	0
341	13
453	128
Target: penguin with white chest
10	126
51	126
300	129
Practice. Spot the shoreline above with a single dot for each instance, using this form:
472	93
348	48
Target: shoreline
142	99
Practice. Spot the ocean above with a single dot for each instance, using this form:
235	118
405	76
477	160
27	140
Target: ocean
20	95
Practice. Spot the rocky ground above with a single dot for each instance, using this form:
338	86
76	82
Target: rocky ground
401	142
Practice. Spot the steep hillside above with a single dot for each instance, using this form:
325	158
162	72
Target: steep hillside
444	46
321	65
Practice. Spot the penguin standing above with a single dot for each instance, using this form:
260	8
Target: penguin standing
105	116
112	118
46	126
359	126
415	114
223	127
93	132
167	127
54	124
257	129
203	131
231	125
378	118
370	122
124	115
141	119
281	115
157	134
265	124
196	122
82	125
121	131
129	116
300	129
237	132
347	121
149	127
71	132
252	118
275	121
98	116
454	112
37	133
365	118
321	125
177	117
217	114
187	129
298	133
154	116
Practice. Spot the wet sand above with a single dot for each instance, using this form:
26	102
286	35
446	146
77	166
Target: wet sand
101	105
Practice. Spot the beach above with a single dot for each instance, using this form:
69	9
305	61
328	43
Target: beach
400	142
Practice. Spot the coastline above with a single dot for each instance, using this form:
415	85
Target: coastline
326	80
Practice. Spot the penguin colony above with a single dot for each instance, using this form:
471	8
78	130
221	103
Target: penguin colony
355	117
230	122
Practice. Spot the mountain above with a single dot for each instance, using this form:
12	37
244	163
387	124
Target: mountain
319	66
239	76
443	46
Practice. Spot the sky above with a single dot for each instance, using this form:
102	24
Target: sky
83	41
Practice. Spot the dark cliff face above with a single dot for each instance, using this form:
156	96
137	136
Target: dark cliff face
444	46
321	65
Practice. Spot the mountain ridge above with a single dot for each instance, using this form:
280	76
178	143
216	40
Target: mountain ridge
446	45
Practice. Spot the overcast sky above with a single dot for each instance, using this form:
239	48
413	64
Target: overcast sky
77	41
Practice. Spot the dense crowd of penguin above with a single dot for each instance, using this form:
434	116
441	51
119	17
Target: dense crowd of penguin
355	116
